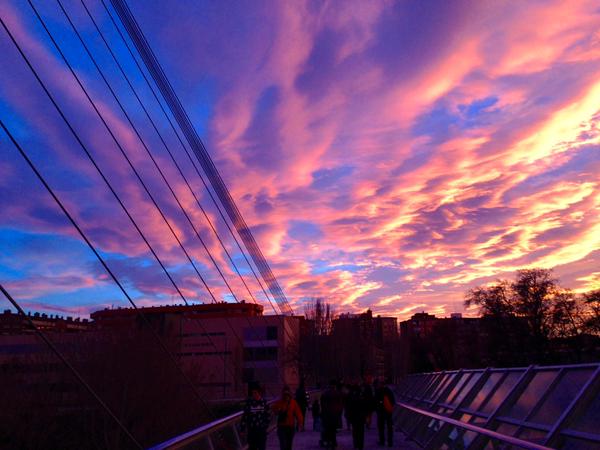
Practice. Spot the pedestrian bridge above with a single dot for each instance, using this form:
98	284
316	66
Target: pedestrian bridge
531	407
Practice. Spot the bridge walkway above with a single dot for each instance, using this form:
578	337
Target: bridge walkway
309	439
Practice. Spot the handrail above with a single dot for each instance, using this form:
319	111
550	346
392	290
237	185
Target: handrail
186	438
470	427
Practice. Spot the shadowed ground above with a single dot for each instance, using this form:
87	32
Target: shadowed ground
310	439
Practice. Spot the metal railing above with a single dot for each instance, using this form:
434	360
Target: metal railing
221	433
206	436
528	407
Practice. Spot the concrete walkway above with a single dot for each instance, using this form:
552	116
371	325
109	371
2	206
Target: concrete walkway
310	439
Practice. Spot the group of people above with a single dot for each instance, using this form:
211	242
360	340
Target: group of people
356	402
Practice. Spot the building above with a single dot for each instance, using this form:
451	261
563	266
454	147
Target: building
11	323
419	325
223	346
356	346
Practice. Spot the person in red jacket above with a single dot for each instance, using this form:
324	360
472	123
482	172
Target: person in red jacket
288	415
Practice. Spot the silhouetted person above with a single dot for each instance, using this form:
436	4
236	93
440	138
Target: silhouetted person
316	414
357	409
345	391
302	398
332	406
255	419
367	389
385	401
288	416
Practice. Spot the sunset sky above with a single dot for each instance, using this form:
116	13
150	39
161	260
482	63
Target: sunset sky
387	155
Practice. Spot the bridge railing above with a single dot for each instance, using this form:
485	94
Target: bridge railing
527	407
221	433
213	435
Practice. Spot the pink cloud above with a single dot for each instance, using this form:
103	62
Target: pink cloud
437	144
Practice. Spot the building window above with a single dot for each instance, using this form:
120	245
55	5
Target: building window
260	354
271	333
247	375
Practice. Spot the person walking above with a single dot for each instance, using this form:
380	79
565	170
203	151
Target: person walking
332	406
384	401
255	419
367	389
357	407
316	414
302	398
289	416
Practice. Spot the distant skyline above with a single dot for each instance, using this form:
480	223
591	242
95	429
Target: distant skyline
387	155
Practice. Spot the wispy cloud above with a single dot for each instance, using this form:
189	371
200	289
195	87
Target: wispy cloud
387	155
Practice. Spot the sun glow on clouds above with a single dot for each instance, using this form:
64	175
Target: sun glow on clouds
386	155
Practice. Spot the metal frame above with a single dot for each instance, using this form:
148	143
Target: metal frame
431	427
202	432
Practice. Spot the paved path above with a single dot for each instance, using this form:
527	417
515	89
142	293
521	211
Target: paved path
310	439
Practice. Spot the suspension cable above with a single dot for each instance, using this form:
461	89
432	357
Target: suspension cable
200	151
95	251
74	222
192	161
234	332
159	135
155	163
92	160
69	366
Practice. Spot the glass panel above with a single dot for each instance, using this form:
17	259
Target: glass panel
561	396
411	387
532	435
569	443
463	378
531	395
588	421
442	395
468	437
456	437
432	386
425	430
465	418
479	421
464	391
501	392
506	428
440	386
406	420
431	383
443	411
422	382
484	391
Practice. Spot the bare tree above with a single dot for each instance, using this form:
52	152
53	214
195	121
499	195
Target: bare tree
322	315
